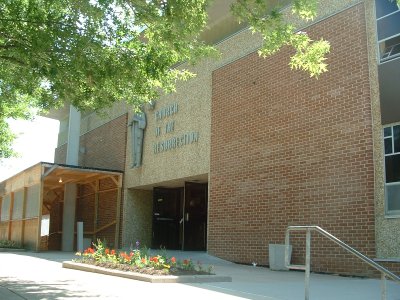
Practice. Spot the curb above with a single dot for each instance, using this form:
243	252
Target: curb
145	277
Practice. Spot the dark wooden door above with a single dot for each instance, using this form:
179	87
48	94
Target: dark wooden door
167	211
195	216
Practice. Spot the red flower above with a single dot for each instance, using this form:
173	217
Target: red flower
89	250
107	251
112	252
143	260
125	256
185	262
173	260
154	259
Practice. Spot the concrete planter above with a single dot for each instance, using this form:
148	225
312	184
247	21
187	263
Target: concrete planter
145	277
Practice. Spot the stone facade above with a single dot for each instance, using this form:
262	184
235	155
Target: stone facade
137	216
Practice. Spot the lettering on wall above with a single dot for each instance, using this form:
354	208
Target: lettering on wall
165	127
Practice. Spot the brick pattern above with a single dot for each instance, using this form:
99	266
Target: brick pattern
104	147
106	214
54	240
290	150
392	266
60	154
85	212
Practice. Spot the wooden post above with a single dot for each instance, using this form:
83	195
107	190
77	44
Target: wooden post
23	216
39	226
118	216
96	210
10	215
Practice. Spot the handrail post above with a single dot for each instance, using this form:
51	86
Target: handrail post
383	286
308	265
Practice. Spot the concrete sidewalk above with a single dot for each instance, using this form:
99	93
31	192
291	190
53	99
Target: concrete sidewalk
40	276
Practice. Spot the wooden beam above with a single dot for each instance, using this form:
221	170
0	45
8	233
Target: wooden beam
23	215
102	191
49	171
10	215
118	216
47	206
39	225
93	185
96	209
116	181
106	226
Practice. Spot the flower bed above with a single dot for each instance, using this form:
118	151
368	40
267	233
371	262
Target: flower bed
139	261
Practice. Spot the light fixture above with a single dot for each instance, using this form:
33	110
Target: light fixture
60	180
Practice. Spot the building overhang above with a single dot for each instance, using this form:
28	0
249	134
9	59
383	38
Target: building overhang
28	195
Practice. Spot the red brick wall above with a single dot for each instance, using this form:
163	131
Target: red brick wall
60	154
85	212
104	146
54	241
106	213
290	150
392	266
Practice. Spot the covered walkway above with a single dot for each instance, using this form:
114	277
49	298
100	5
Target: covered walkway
39	207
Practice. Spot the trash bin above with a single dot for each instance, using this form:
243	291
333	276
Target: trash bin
277	257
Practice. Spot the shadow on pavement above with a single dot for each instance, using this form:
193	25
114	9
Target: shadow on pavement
56	256
12	289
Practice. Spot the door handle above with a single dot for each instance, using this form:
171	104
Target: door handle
181	221
187	217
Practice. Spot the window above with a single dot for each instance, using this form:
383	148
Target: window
392	170
387	21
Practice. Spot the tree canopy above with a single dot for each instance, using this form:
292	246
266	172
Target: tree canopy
93	53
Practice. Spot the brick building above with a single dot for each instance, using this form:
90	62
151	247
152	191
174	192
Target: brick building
249	146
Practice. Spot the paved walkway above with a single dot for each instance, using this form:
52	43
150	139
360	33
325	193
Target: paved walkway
40	276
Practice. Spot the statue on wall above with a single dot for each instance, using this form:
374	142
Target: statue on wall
138	126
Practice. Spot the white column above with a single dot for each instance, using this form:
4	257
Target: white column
70	189
74	131
79	236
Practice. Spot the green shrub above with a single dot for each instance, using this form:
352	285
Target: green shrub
10	244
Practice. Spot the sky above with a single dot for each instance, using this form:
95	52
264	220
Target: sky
36	142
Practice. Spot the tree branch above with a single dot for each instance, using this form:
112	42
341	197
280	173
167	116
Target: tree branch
13	60
28	21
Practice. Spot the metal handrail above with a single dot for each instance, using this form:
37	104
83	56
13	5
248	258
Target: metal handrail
384	272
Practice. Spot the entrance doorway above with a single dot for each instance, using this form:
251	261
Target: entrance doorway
180	217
